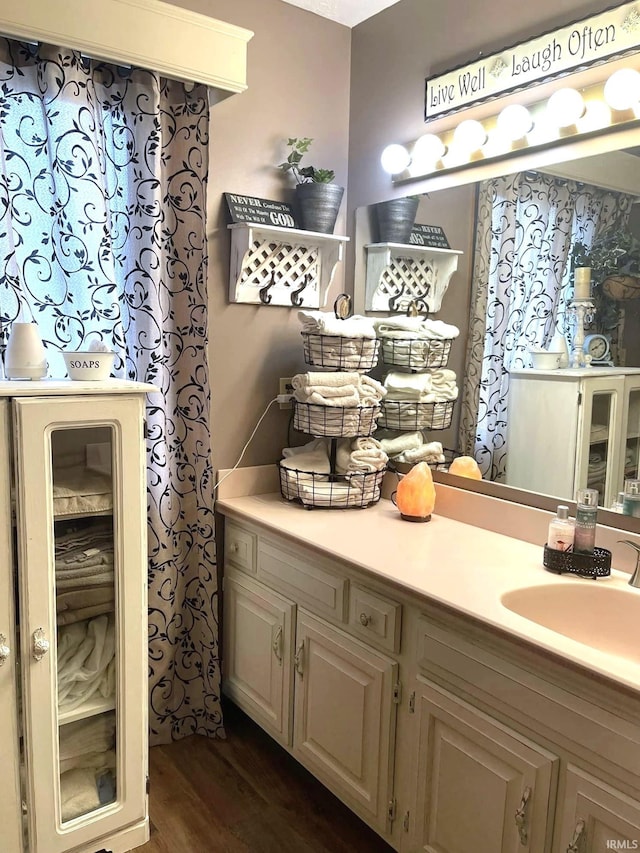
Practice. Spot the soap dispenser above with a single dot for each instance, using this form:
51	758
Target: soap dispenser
561	530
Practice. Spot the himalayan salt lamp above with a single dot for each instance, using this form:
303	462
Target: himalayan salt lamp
465	466
415	496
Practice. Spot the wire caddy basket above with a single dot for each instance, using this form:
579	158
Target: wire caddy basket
335	421
331	491
416	354
596	565
407	415
337	352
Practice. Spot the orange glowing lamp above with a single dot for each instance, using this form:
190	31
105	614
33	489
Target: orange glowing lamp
415	496
465	466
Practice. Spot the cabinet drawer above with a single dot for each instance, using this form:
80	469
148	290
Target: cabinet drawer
240	548
309	584
375	619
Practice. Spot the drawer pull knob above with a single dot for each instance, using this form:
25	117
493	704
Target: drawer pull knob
277	643
40	644
521	817
233	548
364	619
575	845
5	651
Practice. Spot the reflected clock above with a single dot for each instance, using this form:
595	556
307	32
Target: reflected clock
598	346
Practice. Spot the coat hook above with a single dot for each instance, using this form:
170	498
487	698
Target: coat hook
265	296
296	299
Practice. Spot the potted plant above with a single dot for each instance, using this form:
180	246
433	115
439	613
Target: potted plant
317	197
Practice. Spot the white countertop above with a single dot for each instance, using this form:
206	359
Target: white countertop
443	561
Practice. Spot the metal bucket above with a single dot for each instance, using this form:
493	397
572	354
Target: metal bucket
317	206
396	218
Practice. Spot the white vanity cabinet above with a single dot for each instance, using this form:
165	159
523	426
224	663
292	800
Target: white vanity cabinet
572	429
444	735
290	663
73	547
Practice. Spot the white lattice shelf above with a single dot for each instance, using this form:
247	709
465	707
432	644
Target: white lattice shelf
282	266
398	274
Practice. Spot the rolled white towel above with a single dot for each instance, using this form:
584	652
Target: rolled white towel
443	383
398	444
326	323
362	455
430	452
371	391
334	379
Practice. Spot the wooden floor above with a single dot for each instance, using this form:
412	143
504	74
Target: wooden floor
245	795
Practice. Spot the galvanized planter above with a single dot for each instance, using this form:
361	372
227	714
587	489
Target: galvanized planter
396	218
317	206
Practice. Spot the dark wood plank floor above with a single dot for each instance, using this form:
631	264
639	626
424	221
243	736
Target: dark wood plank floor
245	795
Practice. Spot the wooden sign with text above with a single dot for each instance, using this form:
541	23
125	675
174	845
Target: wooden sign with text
429	235
261	211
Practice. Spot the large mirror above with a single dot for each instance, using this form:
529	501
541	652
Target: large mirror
521	235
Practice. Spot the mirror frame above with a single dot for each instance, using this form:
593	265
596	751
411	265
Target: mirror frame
615	138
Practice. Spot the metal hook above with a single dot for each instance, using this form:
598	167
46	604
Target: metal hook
295	296
265	296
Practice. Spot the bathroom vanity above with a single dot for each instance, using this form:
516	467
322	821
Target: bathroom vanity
380	655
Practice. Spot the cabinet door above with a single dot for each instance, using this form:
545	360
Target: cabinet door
480	787
599	437
258	642
344	720
10	799
595	817
629	463
81	511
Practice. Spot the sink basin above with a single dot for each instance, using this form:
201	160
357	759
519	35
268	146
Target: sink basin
604	618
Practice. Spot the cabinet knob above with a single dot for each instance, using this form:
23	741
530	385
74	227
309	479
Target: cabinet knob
233	548
521	817
40	645
364	619
5	651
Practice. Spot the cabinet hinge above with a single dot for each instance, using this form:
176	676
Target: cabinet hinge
579	398
405	822
391	810
412	702
145	431
397	693
148	785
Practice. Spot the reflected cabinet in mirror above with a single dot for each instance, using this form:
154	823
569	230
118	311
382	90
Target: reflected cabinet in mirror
545	292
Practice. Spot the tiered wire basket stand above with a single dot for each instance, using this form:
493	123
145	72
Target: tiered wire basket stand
333	490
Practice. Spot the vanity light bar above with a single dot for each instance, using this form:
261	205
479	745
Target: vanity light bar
567	114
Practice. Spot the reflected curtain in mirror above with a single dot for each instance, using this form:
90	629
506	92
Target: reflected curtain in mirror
103	237
527	225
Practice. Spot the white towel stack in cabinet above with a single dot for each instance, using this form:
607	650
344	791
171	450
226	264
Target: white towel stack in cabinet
338	404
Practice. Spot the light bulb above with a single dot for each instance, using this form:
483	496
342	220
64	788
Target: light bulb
622	89
428	149
469	135
565	107
394	159
514	122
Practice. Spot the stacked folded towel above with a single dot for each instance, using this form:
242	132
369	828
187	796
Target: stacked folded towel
410	447
417	328
84	570
86	661
360	456
312	458
337	389
326	323
428	387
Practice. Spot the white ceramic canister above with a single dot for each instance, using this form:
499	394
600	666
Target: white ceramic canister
25	357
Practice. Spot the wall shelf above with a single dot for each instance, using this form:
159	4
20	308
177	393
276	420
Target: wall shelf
282	266
398	274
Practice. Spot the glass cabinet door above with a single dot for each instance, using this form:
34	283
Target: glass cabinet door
601	420
631	436
81	533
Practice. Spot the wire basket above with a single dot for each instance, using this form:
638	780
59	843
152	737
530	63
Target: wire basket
337	421
340	353
330	491
596	565
410	416
416	354
404	467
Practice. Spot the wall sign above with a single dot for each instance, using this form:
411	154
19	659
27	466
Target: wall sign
429	235
260	211
554	54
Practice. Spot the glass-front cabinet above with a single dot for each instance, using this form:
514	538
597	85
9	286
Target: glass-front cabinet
572	429
78	523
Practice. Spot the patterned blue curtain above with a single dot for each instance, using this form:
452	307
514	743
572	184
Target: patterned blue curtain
527	225
103	236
